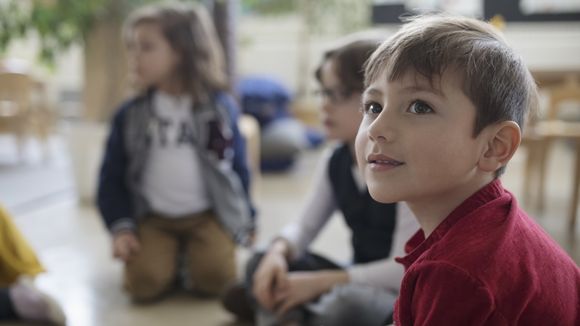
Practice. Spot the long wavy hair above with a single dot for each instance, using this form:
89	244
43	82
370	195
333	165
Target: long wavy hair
191	33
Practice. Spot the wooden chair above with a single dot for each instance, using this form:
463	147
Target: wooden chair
542	133
41	118
15	106
24	110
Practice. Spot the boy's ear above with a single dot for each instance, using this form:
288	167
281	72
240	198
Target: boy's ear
503	141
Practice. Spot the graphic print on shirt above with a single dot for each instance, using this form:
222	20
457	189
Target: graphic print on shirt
173	182
171	133
218	142
173	127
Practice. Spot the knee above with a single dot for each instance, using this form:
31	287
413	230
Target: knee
339	308
144	286
143	289
353	304
213	281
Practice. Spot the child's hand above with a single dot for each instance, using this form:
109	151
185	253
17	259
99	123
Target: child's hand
304	287
125	245
301	287
270	278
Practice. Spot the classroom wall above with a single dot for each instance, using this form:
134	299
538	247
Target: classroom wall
270	45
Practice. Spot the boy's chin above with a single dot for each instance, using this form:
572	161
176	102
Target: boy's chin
384	197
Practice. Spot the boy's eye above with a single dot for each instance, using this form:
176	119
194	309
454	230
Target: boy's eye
373	108
420	107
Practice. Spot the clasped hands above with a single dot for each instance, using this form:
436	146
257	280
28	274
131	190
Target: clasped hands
279	291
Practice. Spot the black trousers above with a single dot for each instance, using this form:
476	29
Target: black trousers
308	262
6	307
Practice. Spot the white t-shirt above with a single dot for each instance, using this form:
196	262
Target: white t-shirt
173	181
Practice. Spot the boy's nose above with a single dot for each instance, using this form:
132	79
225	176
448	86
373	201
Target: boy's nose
381	129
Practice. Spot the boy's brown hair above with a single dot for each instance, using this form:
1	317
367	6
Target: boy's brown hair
349	60
190	31
495	79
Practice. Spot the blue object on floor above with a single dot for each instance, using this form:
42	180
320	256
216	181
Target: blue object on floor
264	98
283	137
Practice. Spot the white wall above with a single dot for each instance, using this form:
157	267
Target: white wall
546	45
271	45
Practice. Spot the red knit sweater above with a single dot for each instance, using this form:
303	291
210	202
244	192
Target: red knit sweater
488	263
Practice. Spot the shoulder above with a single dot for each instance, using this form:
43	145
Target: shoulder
227	101
434	269
439	278
128	105
486	238
437	292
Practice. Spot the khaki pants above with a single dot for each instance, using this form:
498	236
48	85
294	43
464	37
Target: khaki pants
209	256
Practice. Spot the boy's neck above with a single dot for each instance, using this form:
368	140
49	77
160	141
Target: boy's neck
431	211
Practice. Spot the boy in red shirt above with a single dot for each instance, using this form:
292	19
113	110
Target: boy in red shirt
445	102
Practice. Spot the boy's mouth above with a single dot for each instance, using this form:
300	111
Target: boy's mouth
379	160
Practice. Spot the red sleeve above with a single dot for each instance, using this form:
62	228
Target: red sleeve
441	294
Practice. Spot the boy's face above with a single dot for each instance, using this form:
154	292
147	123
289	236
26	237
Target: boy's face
416	142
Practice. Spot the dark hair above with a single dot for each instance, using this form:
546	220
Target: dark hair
495	79
349	61
190	32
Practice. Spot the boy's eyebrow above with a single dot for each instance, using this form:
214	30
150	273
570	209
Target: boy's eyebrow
372	92
417	88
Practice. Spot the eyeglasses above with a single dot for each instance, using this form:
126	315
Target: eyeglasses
333	95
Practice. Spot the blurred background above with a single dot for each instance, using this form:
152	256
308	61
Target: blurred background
63	72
